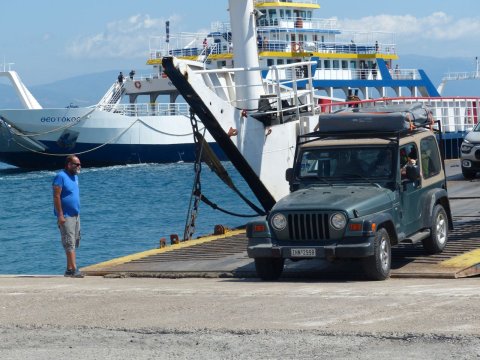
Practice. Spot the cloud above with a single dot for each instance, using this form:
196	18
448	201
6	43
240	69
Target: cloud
436	31
125	39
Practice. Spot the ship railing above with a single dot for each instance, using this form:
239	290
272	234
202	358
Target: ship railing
219	40
182	44
258	2
285	96
329	24
144	77
457	115
462	75
272	44
334	72
220	27
113	94
146	109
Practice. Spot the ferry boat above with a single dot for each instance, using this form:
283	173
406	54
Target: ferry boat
109	133
257	118
289	45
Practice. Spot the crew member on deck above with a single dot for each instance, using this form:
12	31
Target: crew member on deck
120	78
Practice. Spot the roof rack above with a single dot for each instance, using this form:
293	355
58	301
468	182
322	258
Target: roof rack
385	119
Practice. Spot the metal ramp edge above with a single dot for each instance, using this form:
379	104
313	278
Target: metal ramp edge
225	255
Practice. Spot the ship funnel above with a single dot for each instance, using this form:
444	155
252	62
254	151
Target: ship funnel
248	83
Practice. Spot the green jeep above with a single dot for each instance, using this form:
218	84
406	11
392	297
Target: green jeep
366	181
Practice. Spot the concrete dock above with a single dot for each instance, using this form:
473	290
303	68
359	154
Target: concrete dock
192	318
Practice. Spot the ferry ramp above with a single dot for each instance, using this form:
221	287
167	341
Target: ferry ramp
225	255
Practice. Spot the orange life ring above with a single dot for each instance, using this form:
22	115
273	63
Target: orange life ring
138	84
296	47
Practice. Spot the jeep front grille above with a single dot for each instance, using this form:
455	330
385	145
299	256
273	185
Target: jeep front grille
308	226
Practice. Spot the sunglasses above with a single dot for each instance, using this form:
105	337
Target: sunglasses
76	164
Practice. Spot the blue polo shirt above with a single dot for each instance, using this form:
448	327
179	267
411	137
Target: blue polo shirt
70	195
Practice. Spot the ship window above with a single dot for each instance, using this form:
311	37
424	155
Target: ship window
353	64
288	14
269	62
326	64
344	64
336	64
319	64
272	14
282	14
280	62
309	15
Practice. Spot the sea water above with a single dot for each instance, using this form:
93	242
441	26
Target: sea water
124	209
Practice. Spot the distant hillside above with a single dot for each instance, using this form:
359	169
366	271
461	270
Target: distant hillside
88	89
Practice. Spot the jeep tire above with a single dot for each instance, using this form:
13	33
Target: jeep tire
437	240
377	266
269	269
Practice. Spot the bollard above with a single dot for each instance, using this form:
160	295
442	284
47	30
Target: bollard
163	243
174	239
219	230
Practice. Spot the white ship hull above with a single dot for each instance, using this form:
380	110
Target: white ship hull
99	137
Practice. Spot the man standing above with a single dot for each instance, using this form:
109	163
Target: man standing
120	78
66	201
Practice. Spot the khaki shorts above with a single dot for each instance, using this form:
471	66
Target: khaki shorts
70	232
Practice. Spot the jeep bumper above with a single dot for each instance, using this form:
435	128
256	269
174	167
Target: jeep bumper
348	248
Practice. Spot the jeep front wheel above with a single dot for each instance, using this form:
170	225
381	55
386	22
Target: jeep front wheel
269	268
437	240
377	266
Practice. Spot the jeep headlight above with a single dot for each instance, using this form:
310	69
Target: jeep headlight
338	221
279	221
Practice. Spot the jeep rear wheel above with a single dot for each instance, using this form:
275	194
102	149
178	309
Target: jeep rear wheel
269	268
437	240
377	266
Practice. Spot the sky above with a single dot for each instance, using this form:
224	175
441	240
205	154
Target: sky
50	40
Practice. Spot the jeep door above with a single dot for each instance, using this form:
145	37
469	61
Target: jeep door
410	192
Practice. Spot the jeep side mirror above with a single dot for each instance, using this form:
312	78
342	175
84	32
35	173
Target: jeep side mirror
289	174
412	172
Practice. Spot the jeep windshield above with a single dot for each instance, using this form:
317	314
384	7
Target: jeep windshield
346	164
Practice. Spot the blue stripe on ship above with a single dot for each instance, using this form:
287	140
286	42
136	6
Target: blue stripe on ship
107	155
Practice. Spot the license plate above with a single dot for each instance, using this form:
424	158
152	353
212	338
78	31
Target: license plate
303	252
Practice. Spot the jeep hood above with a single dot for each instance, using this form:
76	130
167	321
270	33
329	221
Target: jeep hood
363	199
